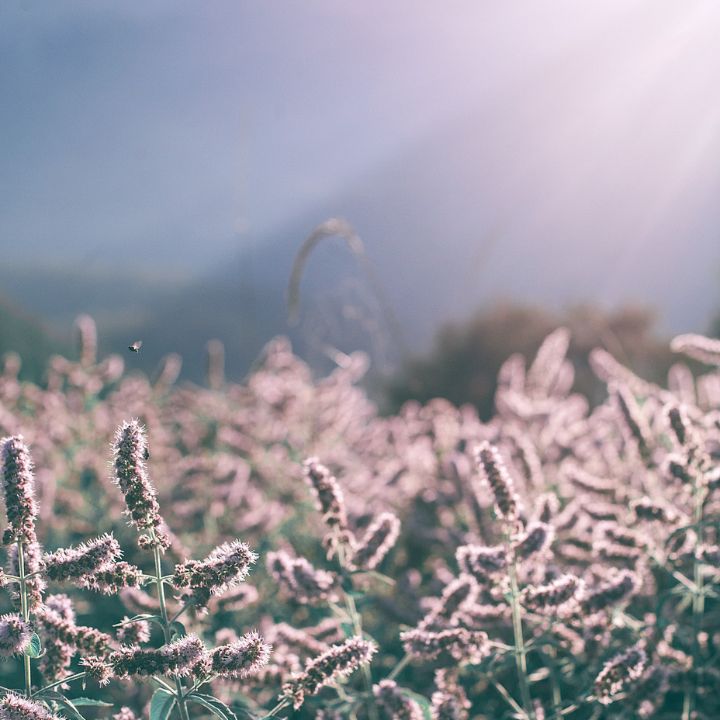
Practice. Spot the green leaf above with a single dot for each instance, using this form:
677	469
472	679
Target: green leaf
34	648
68	707
161	704
215	706
178	630
145	616
90	702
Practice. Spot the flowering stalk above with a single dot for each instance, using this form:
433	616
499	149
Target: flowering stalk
356	620
25	610
520	649
159	582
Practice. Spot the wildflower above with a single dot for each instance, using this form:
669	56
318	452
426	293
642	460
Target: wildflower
327	492
481	561
59	625
58	654
704	349
645	509
18	488
611	592
537	537
617	553
634	422
130	451
113	578
97	668
133	633
392	704
87	333
379	538
125	714
226	566
15	707
496	474
87	558
449	701
554	596
584	480
180	658
547	363
679	423
241	658
298	639
601	511
618	673
300	579
235	599
459	595
457	644
337	662
15	634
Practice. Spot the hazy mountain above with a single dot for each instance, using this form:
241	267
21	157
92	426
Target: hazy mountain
463	217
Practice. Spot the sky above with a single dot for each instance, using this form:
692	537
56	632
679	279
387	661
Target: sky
168	135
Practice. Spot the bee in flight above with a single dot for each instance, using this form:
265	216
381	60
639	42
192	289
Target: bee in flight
135	347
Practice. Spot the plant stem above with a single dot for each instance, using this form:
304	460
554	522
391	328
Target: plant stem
182	707
520	649
399	667
64	680
280	706
698	603
356	621
25	609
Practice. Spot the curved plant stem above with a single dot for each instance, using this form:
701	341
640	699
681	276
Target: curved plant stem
179	695
62	681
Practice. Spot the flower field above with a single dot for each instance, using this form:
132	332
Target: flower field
277	548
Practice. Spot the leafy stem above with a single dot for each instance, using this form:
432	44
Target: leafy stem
25	610
179	695
520	647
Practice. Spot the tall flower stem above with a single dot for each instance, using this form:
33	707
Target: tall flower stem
179	693
520	649
356	620
25	610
